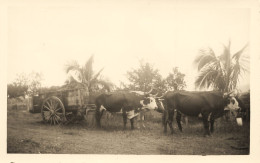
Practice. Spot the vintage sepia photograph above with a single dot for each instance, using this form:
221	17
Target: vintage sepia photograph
128	78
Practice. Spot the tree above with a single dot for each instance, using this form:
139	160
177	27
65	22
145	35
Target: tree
15	90
160	85
35	80
19	87
143	78
220	72
175	80
25	85
86	76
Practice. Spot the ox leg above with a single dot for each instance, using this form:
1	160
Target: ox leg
206	120
132	123
165	120
206	127
124	118
142	119
212	120
170	120
178	119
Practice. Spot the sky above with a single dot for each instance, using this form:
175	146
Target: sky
45	38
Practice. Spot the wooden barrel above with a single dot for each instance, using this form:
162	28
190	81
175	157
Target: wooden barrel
90	115
29	104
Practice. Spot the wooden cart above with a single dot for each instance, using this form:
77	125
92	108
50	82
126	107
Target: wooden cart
62	106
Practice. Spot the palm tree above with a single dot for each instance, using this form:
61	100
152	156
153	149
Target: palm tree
86	76
220	72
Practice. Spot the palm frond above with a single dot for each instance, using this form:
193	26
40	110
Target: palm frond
235	69
227	62
201	54
73	65
219	82
88	68
97	74
225	57
206	77
238	54
205	57
81	75
221	72
85	75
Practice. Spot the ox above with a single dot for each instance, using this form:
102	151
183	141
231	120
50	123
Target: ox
208	105
124	102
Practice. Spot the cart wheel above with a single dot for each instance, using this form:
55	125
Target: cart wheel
53	111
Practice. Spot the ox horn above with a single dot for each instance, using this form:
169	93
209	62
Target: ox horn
159	97
146	93
154	95
229	93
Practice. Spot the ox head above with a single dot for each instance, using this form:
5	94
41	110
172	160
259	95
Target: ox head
160	102
149	103
231	104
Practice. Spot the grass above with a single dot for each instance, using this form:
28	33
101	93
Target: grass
27	134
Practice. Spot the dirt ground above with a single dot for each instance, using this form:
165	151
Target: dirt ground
26	133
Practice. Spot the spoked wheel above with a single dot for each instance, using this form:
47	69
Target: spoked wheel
53	111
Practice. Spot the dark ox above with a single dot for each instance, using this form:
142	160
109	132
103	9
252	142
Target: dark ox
209	105
124	102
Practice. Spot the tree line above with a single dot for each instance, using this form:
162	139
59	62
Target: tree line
217	72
